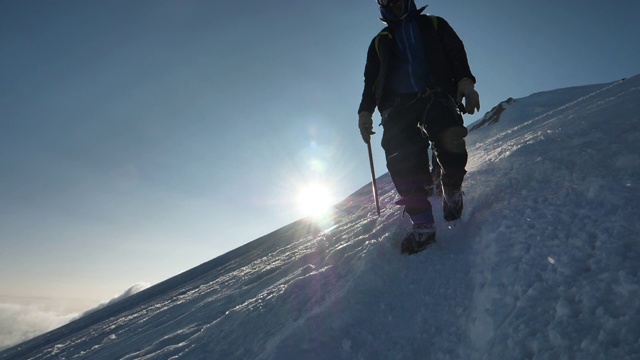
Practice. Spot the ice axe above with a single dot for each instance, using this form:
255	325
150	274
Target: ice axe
373	179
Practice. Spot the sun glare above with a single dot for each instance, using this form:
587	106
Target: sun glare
314	199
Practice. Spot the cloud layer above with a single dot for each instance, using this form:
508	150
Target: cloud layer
20	322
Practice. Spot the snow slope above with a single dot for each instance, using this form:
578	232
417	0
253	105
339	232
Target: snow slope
544	264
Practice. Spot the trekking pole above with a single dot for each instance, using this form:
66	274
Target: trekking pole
373	179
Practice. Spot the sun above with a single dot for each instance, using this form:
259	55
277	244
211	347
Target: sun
314	199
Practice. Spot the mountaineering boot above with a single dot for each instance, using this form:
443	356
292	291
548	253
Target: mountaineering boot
418	238
452	204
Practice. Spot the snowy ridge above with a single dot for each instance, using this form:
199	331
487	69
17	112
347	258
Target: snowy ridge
493	116
541	103
508	137
543	265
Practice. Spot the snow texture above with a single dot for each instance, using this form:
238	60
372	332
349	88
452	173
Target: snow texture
543	265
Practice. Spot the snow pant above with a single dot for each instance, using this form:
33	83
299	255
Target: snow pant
409	126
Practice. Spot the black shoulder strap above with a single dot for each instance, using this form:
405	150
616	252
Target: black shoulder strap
434	20
382	33
385	32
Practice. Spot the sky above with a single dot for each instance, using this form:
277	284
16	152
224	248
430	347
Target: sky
140	139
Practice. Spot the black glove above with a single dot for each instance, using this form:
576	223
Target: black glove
467	91
365	123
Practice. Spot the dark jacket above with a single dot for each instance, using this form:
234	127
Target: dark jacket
446	59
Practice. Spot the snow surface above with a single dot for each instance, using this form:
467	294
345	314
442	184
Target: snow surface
544	264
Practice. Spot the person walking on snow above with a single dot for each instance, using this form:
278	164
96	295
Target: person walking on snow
417	74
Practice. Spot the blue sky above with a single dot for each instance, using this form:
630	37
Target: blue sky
139	139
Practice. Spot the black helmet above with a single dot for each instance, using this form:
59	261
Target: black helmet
387	13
